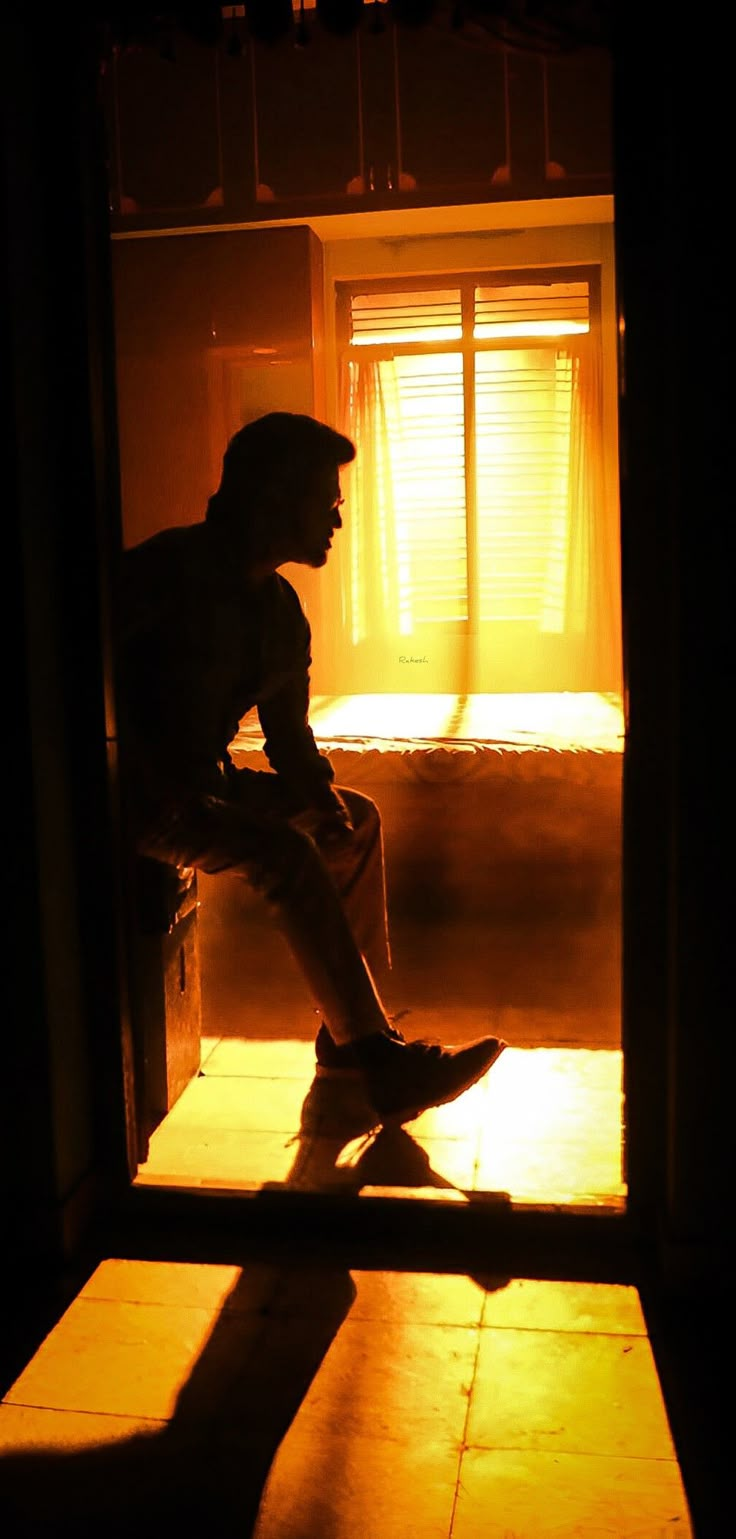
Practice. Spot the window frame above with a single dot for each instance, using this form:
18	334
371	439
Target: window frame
468	346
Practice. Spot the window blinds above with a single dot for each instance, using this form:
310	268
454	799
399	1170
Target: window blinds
435	315
531	310
514	569
423	399
523	405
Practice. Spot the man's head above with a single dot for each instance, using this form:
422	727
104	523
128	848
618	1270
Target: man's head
279	494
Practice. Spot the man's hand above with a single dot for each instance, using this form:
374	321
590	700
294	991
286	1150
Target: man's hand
329	827
333	828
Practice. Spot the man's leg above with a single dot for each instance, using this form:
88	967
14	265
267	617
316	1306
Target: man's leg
356	865
284	864
285	867
357	868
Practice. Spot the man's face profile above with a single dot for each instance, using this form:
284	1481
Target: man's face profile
317	516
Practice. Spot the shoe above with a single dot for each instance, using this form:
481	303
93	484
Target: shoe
334	1058
403	1078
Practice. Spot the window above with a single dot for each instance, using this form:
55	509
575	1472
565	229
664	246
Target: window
477	525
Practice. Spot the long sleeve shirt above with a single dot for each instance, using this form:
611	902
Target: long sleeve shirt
199	647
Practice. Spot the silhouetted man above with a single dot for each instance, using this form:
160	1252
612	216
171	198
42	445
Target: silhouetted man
211	629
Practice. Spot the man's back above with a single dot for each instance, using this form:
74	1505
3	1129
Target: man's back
199	646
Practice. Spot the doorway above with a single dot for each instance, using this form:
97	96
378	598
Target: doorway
501	805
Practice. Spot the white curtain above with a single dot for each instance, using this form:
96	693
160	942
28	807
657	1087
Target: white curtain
593	609
545	572
374	424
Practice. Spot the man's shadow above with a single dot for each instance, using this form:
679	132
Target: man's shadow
207	1466
210	1462
341	1146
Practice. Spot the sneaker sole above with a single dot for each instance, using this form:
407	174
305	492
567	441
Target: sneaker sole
397	1118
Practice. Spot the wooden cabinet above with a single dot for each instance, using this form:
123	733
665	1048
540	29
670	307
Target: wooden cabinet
393	118
165	129
452	98
211	329
306	118
165	985
578	115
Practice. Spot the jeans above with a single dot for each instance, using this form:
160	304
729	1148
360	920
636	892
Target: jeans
329	900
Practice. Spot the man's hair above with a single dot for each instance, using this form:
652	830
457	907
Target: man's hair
270	461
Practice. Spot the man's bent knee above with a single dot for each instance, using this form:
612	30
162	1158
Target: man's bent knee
364	812
284	864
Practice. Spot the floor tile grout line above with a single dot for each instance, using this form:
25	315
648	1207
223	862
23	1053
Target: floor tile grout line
68	1410
570	1453
477	1159
216	1310
210	1051
258	1310
561	1330
463	1444
276	1079
183	1126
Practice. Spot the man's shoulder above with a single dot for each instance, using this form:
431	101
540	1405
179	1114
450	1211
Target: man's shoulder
173	557
175	544
163	573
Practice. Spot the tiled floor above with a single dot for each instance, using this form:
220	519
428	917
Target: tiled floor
543	1126
323	1404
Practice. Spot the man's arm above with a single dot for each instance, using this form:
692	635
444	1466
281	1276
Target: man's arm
290	746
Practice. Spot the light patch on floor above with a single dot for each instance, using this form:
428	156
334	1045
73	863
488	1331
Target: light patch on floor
309	1403
543	1126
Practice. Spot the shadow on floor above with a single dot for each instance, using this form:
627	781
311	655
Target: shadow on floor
210	1462
337	1115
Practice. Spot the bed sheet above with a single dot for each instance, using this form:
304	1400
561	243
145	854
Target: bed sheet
376	738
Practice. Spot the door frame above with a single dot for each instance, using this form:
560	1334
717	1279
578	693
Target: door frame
654	572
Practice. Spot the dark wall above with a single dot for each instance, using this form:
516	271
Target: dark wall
62	1022
677	597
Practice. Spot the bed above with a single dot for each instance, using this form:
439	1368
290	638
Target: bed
490	803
